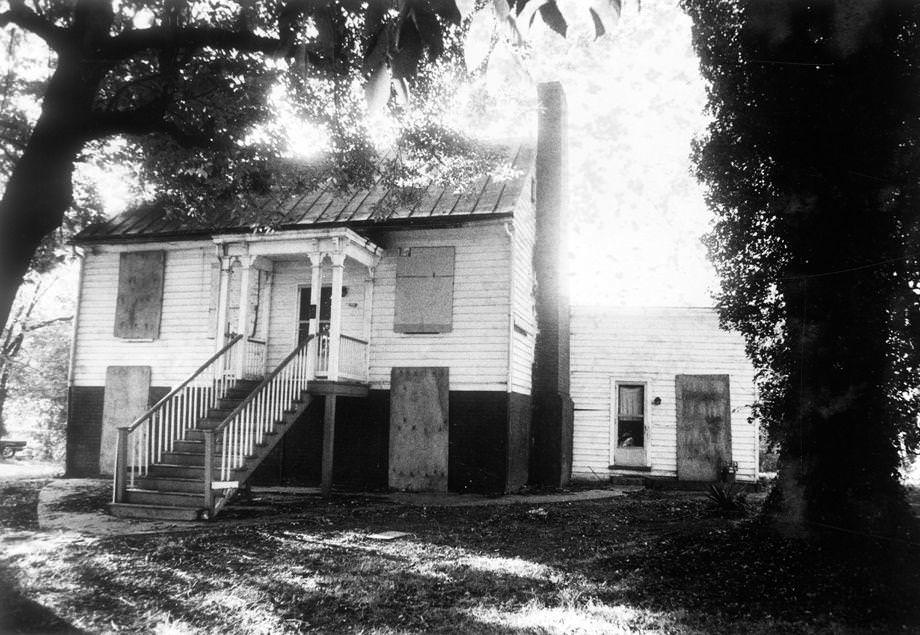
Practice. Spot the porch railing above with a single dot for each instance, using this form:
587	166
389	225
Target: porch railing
352	357
144	441
253	359
244	428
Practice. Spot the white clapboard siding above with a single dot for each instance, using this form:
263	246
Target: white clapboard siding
476	348
183	343
653	345
524	325
288	277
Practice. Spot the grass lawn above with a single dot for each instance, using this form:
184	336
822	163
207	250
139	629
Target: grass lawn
643	562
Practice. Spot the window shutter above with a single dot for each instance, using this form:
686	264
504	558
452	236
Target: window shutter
425	291
139	304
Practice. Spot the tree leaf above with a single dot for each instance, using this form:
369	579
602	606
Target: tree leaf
605	14
377	89
553	17
479	38
528	12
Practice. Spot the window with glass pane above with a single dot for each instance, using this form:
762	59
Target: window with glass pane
631	416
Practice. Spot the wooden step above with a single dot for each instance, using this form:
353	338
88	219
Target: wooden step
167	499
155	512
197	436
171	470
167	484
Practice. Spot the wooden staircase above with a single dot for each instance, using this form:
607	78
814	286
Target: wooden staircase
174	488
185	457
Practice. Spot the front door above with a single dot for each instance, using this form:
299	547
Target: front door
303	312
629	425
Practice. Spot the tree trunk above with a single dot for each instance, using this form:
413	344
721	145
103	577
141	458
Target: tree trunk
40	188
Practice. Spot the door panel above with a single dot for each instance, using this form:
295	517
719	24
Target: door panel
704	433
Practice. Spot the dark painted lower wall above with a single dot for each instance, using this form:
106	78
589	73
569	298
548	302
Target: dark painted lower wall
84	427
489	441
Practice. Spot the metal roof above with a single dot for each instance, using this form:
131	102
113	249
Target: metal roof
487	197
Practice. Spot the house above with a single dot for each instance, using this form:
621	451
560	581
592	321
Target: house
407	350
661	392
425	348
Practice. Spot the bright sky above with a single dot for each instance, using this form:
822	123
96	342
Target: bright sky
636	100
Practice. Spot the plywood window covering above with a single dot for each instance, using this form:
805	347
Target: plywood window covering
630	416
425	290
139	305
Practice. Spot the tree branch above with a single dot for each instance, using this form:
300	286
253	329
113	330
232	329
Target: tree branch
43	324
144	121
131	42
26	19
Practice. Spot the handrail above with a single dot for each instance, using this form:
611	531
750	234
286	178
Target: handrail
255	393
172	393
353	339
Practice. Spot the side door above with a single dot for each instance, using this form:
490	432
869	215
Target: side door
630	423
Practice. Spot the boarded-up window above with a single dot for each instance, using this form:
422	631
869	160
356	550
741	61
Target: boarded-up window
425	290
140	294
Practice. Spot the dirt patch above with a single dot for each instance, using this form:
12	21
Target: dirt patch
19	502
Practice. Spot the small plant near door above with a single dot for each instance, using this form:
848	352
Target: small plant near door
727	498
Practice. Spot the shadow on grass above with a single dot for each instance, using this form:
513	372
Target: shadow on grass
19	614
649	561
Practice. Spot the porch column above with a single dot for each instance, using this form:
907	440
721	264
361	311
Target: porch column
335	314
316	280
243	317
223	298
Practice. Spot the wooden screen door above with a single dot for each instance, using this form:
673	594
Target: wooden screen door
629	424
303	312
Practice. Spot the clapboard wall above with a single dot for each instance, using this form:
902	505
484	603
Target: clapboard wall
653	345
523	317
185	339
476	348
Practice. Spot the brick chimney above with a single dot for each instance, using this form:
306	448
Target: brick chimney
552	417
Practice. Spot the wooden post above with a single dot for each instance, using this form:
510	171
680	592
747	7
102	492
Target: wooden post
368	319
209	471
335	315
243	316
328	444
121	466
316	281
223	298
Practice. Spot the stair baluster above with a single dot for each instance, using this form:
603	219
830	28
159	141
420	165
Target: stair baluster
246	426
144	441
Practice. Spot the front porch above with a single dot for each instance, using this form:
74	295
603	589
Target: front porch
278	291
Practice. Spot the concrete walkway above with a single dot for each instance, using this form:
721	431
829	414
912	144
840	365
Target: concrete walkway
75	505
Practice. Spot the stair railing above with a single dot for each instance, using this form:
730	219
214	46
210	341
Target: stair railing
244	428
144	441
